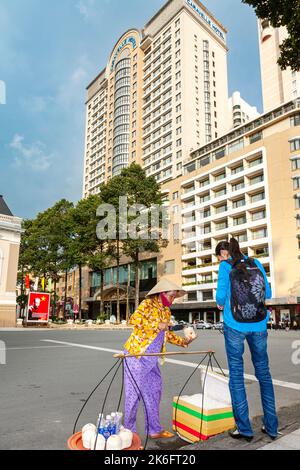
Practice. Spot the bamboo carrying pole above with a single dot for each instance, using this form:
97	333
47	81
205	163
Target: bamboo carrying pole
123	356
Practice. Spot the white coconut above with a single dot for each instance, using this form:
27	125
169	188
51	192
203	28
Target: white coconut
126	438
114	443
89	426
88	431
101	442
189	333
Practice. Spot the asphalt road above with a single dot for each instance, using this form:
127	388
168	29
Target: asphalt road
44	384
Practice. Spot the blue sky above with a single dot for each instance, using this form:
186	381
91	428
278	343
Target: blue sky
49	53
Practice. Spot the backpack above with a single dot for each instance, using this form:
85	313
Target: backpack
248	291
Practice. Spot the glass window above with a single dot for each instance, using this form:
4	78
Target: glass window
222	225
239	203
259	215
207	295
218	154
240	220
297	183
257	161
176	232
235	146
170	267
221	192
295	145
242	238
204	183
204	198
295	120
222	208
296	164
255	137
257	179
204	161
262	233
221	176
149	269
238	169
258	197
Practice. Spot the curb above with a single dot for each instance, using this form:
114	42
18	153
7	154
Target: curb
289	442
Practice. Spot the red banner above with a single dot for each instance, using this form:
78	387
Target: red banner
27	282
38	307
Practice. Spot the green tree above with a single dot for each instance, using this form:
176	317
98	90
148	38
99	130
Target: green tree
139	190
110	194
282	13
45	242
85	247
145	192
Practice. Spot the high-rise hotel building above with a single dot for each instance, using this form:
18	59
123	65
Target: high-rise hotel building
278	86
163	93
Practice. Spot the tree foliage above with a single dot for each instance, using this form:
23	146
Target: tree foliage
140	190
64	237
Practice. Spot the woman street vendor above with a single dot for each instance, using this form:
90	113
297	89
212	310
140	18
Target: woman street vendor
151	332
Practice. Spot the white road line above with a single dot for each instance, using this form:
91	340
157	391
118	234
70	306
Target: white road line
34	347
84	346
279	383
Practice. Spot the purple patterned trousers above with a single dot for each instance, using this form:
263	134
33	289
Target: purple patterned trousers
142	377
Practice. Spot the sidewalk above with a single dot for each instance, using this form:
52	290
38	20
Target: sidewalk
289	442
66	327
289	422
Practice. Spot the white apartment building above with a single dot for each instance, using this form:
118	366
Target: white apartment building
244	185
240	111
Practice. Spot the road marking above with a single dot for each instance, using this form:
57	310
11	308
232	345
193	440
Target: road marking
34	347
279	383
84	346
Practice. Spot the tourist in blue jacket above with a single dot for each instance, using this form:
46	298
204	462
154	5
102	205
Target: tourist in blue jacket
242	290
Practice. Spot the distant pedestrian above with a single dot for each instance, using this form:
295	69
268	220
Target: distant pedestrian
242	290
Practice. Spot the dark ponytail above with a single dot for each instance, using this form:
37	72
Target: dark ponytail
235	251
237	255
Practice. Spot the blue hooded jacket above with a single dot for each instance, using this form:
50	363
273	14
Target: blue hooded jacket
224	295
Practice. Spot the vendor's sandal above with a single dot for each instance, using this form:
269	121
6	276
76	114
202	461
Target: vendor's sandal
163	435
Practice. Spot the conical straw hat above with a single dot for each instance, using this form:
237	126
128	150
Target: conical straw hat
165	285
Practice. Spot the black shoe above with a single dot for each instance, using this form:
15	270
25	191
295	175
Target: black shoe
236	435
263	430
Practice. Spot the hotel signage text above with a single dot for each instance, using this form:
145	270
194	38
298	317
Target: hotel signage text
206	19
131	40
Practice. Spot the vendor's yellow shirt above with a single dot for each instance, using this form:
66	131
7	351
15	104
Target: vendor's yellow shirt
146	319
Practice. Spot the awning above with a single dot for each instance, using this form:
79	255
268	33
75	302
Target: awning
194	305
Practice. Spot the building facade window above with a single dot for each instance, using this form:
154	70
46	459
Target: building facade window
295	144
295	120
255	137
297	183
169	267
296	164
